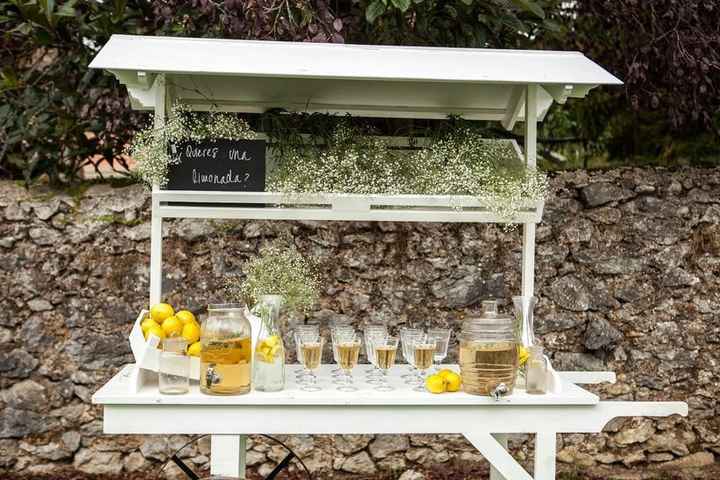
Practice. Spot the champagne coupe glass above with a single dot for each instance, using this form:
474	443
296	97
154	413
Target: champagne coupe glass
441	338
311	346
406	335
347	345
423	351
302	375
372	331
341	330
385	353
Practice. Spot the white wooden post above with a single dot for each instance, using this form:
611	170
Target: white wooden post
227	456
528	249
156	222
545	446
502	439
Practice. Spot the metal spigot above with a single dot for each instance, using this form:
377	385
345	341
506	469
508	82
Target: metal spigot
211	377
499	391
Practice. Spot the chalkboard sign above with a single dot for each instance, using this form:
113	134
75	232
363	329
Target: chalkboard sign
217	165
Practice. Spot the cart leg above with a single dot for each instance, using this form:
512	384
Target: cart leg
502	439
227	456
545	446
495	453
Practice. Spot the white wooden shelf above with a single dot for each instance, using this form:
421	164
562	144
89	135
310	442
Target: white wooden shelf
333	206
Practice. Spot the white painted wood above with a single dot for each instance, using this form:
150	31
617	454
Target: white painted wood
115	392
514	108
495	453
528	260
252	58
384	81
545	451
531	117
156	220
588	378
227	456
502	439
332	206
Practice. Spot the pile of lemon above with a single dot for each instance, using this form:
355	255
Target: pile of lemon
163	321
443	381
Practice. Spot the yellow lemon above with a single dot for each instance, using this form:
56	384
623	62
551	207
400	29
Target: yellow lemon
453	381
523	355
444	373
194	349
160	311
435	384
147	324
172	326
186	316
190	332
155	330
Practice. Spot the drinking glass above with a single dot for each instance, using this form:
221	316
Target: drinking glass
311	347
385	352
347	346
406	336
441	338
423	351
302	375
174	367
371	332
342	330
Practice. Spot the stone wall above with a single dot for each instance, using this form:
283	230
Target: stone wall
628	274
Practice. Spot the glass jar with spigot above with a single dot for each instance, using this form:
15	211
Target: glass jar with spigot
226	356
488	352
269	361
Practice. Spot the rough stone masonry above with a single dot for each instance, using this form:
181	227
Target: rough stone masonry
628	275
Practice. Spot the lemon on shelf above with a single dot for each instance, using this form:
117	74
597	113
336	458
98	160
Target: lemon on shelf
147	323
435	383
155	330
191	332
186	316
160	311
194	349
172	326
453	382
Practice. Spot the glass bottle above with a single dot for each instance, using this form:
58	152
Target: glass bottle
269	362
537	370
226	356
488	352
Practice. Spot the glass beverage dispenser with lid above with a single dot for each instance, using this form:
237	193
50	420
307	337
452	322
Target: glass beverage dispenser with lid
226	356
488	352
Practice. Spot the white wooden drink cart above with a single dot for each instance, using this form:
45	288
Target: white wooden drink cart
372	81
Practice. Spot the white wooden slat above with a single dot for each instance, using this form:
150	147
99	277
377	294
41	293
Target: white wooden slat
501	460
228	456
502	439
156	221
545	452
588	378
203	56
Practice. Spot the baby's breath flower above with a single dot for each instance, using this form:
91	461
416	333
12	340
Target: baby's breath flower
459	163
278	270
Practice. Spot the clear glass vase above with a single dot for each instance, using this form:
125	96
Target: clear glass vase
269	365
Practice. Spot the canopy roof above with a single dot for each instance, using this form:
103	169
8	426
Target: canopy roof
390	81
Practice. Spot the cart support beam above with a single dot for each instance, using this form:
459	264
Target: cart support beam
528	249
227	456
156	223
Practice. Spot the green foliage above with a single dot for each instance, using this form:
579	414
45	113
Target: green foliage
460	23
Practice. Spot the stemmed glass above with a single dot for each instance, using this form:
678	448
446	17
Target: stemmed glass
371	332
303	375
441	338
311	347
406	336
335	331
385	349
347	347
423	351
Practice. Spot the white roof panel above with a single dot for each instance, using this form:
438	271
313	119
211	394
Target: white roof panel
251	58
